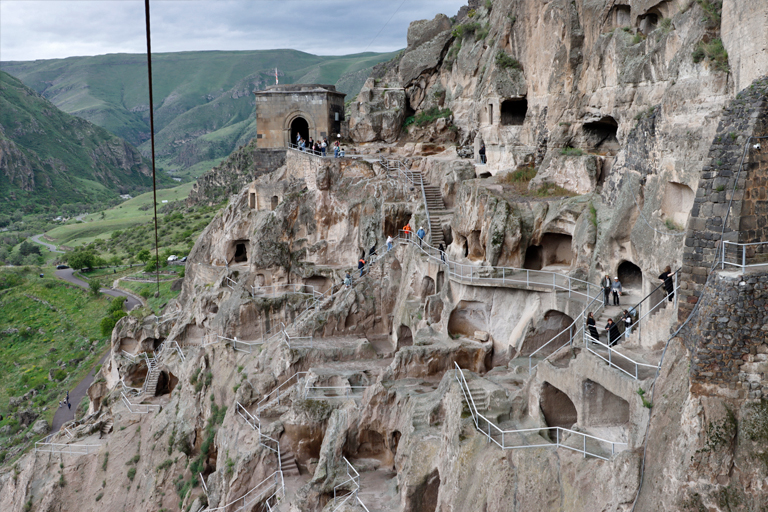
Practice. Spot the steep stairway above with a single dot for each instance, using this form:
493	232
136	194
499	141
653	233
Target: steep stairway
422	410
150	387
288	463
480	395
106	427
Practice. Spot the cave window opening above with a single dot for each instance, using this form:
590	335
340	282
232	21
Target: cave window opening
275	201
557	407
166	382
557	249
622	15
301	127
601	135
534	257
241	253
484	175
252	200
490	113
513	112
630	275
553	326
404	337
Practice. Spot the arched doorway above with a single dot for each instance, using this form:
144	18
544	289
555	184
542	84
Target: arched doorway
300	126
630	275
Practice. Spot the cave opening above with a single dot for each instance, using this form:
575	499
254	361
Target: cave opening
534	257
553	323
252	200
427	287
603	408
404	337
274	202
557	249
621	15
166	382
513	111
601	135
557	408
630	275
241	253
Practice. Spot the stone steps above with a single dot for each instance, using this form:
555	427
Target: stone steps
106	427
288	463
421	413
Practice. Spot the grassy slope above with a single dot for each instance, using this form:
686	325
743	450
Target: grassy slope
196	93
64	329
60	152
123	216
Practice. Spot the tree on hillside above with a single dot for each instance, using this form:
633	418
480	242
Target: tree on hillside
115	260
80	259
143	256
95	287
26	248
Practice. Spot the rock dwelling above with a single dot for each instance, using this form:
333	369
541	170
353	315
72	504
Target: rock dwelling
467	379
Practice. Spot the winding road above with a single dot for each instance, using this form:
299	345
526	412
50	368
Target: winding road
50	247
63	413
67	275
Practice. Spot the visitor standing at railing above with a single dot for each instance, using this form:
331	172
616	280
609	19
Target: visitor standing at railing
627	318
407	231
616	290
372	255
592	327
613	332
482	153
669	285
420	233
361	266
442	252
606	284
389	243
336	149
324	146
347	280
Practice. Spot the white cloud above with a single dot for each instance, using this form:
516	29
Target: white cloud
32	29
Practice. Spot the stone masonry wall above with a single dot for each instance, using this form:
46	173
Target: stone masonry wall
729	337
745	116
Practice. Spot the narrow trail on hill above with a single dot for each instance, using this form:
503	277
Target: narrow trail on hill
64	413
67	275
50	247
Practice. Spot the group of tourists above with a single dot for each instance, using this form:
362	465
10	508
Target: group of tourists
613	289
318	147
65	401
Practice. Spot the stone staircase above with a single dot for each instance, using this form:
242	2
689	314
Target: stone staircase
480	395
150	387
106	427
288	463
433	199
422	410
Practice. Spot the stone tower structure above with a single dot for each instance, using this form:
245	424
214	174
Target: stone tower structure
312	110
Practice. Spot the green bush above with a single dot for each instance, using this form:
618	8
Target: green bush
131	474
504	61
59	375
431	115
712	12
150	267
95	287
568	151
715	52
465	29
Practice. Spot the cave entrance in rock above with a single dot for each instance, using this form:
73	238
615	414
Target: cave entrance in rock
274	202
404	337
301	127
602	408
241	252
621	15
467	317
677	202
553	323
251	200
394	222
557	249
601	135
557	408
427	287
320	284
166	382
630	275
440	281
534	257
513	111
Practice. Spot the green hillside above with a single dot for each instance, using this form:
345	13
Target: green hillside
203	101
49	159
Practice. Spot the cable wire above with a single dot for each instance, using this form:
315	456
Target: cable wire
385	26
691	315
152	137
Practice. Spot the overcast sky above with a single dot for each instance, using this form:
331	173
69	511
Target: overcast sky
48	29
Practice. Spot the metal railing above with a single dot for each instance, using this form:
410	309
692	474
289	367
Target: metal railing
353	392
249	418
520	438
297	288
264	402
71	449
139	408
228	280
612	353
353	477
249	498
744	255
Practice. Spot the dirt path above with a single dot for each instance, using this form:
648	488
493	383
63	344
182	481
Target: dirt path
64	413
67	275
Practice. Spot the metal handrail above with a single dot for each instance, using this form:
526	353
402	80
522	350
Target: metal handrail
227	278
505	434
249	418
355	479
348	391
72	449
743	265
267	399
130	406
277	477
588	339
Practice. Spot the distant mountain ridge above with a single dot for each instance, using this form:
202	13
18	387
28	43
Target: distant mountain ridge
203	103
49	158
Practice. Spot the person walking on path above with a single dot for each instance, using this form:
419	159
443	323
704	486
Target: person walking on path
627	318
420	233
616	290
613	332
407	231
361	266
606	284
669	284
482	153
389	243
324	146
442	252
336	149
347	280
592	327
372	255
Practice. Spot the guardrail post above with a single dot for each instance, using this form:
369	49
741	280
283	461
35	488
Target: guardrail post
585	445
743	257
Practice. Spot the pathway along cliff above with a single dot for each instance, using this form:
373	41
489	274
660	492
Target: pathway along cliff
67	275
